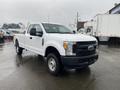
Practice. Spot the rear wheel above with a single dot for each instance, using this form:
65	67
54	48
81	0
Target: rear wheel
53	64
19	50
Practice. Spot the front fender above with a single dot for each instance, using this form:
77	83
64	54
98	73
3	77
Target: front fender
56	45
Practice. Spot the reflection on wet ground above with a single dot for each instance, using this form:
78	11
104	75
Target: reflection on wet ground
29	72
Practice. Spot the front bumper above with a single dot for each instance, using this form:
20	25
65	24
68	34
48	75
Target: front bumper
78	62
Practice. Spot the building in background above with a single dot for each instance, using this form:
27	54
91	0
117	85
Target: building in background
80	24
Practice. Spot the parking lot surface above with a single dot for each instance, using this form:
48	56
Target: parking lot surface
29	72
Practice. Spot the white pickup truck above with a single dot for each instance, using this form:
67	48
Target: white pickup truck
60	46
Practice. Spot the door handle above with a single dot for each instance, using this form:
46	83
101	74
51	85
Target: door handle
30	37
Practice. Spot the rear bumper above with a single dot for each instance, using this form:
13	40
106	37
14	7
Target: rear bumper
78	62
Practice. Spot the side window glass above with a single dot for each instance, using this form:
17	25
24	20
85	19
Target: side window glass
29	28
38	28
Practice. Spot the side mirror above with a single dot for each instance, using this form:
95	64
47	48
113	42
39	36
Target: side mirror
33	32
40	33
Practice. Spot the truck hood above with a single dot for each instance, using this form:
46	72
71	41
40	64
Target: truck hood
72	37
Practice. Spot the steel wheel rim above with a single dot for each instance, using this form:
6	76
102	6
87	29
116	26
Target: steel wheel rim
52	64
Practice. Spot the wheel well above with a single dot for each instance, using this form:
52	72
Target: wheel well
51	49
97	39
17	44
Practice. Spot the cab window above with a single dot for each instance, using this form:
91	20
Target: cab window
30	27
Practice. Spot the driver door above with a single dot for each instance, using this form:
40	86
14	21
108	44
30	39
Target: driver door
36	41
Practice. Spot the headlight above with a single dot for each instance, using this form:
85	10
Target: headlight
68	46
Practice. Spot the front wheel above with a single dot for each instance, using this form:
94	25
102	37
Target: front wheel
53	64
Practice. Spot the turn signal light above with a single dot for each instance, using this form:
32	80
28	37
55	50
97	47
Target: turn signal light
65	45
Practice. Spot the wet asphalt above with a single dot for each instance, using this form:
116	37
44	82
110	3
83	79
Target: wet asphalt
29	72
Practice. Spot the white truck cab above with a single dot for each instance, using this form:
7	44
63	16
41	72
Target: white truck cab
61	47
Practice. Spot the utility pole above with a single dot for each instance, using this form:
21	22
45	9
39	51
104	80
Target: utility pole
77	20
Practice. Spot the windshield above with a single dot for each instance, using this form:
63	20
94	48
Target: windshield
54	28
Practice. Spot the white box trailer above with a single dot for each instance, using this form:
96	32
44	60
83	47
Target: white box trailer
104	26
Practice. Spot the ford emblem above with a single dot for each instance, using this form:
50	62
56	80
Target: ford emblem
90	48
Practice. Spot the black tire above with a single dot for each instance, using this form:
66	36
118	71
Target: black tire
19	50
57	66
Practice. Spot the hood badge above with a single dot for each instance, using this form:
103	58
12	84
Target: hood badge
90	47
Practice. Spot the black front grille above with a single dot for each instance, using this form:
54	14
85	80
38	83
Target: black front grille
86	43
81	48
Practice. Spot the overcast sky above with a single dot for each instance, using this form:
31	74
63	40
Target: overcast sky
58	11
